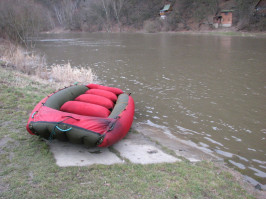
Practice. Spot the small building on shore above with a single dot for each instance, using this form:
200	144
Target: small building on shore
223	19
167	8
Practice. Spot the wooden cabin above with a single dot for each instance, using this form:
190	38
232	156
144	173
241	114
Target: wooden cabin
167	8
224	19
227	18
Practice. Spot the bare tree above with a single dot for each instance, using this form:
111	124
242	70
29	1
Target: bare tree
117	6
59	15
20	20
64	11
105	4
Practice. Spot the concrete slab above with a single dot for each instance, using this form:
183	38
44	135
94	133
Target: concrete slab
142	153
135	147
67	154
182	148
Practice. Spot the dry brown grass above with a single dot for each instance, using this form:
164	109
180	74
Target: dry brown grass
66	73
20	59
17	58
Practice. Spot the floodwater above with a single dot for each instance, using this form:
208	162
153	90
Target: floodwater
207	89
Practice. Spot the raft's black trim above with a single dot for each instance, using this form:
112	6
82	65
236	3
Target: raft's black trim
57	99
120	105
76	134
56	123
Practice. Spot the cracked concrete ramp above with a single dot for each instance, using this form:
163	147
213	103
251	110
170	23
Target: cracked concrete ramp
142	153
134	148
67	154
182	148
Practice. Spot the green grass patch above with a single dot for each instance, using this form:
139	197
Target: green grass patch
28	169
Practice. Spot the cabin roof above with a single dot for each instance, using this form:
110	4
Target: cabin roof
166	7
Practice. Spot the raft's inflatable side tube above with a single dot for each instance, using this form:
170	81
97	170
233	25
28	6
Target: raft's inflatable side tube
49	121
123	113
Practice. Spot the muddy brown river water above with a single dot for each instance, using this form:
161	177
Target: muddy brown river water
207	89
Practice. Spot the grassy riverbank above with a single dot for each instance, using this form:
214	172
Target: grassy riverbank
28	169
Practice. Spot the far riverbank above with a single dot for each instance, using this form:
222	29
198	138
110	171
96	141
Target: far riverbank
222	31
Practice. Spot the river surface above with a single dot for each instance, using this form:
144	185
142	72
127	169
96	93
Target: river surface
207	89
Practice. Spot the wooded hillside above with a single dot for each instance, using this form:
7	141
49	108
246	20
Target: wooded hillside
21	19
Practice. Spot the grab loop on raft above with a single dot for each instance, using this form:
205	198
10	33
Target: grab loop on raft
34	114
58	128
63	130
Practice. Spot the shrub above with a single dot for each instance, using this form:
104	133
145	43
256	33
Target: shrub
67	74
20	20
15	57
152	26
21	60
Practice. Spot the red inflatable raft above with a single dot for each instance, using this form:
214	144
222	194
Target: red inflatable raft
93	115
